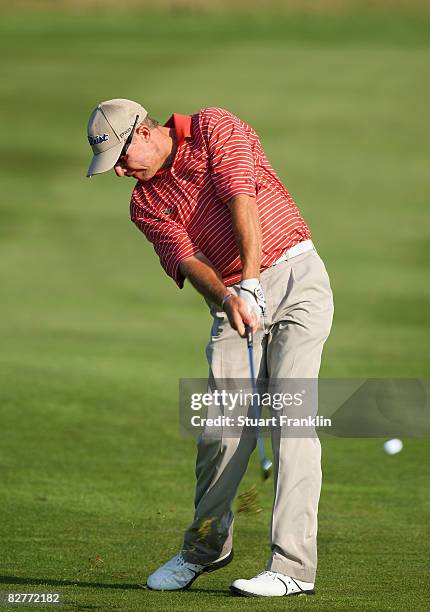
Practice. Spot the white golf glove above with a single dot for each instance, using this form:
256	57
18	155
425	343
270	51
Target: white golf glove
252	292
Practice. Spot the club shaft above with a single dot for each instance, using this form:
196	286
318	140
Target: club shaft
260	442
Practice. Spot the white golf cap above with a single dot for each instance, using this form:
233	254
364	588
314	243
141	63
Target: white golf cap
108	128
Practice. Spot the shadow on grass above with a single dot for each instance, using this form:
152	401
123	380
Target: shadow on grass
101	585
77	583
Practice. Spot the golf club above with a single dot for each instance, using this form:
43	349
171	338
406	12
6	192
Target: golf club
266	464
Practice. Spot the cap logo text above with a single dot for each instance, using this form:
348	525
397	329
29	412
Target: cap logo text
125	132
98	138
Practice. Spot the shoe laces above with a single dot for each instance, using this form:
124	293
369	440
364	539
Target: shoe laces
269	574
182	562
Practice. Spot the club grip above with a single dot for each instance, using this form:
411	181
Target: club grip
249	336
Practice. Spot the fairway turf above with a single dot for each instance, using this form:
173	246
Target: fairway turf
96	482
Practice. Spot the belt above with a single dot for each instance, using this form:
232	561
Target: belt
298	249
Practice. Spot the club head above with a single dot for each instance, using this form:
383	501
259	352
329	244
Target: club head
266	468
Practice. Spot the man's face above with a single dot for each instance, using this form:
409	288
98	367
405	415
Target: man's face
142	158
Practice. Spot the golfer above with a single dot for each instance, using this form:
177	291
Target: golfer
216	213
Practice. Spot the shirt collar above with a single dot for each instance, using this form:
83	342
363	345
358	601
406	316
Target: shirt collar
182	125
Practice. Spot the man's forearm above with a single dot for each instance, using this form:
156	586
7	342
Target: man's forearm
203	276
246	225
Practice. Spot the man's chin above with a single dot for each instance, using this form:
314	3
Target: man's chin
144	176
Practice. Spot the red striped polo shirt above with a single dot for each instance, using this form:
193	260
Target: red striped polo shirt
183	210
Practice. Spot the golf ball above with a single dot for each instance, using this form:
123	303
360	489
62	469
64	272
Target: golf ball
394	446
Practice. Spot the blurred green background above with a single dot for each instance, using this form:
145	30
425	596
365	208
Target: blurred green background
97	484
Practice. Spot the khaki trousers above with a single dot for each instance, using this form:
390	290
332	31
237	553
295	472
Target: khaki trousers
296	324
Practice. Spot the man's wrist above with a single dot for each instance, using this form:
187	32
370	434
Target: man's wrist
225	299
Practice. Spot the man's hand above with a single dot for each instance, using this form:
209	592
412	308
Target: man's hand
252	292
239	314
207	281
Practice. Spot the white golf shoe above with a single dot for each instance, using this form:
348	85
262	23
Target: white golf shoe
272	584
179	574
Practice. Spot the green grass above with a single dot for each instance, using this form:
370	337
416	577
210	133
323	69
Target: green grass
96	482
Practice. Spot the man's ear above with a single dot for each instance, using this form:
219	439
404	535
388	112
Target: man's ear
143	130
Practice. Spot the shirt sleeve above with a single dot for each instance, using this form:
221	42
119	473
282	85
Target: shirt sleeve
230	156
169	239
